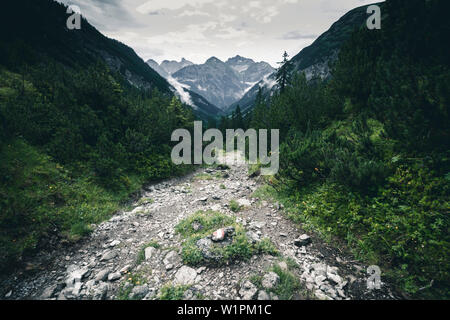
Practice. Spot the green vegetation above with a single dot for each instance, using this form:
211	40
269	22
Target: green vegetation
289	284
288	287
171	292
235	206
141	255
254	169
265	192
76	140
365	155
208	220
144	201
133	279
240	247
203	176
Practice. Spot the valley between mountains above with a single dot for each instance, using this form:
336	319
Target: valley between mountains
142	253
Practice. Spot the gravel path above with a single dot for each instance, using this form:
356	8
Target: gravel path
98	266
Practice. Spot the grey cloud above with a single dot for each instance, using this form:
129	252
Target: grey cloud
199	29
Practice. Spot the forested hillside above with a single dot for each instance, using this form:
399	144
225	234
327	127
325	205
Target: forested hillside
77	136
365	156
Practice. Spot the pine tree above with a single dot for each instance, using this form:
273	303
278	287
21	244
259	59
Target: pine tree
284	72
238	121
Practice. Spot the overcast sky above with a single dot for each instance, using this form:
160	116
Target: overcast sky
199	29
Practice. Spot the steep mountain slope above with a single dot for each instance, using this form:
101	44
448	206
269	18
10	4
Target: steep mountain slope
35	37
214	79
315	59
220	82
203	108
155	66
249	70
82	126
41	24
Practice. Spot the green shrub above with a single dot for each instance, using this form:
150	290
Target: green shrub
235	206
403	228
141	255
170	292
240	248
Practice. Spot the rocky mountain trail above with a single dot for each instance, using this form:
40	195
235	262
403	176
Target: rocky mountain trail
138	254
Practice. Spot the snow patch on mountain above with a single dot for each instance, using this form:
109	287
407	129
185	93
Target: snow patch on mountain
181	93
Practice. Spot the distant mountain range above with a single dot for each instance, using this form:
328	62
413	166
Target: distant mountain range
220	83
167	67
314	60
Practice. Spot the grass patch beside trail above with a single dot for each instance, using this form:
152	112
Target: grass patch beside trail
289	284
203	176
141	255
288	287
133	280
240	248
171	292
235	206
265	192
40	198
209	220
400	228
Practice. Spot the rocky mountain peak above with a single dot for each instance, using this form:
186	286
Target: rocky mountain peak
213	60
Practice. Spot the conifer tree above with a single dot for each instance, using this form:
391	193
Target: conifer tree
283	75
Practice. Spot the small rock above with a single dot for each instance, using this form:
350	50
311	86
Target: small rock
114	276
273	296
319	280
151	294
48	292
101	292
321	296
102	275
185	276
171	259
139	292
125	269
320	269
248	291
75	275
303	240
262	295
188	295
200	270
169	267
149	252
9	294
218	235
108	255
334	278
222	234
244	202
279	206
252	236
114	243
270	280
